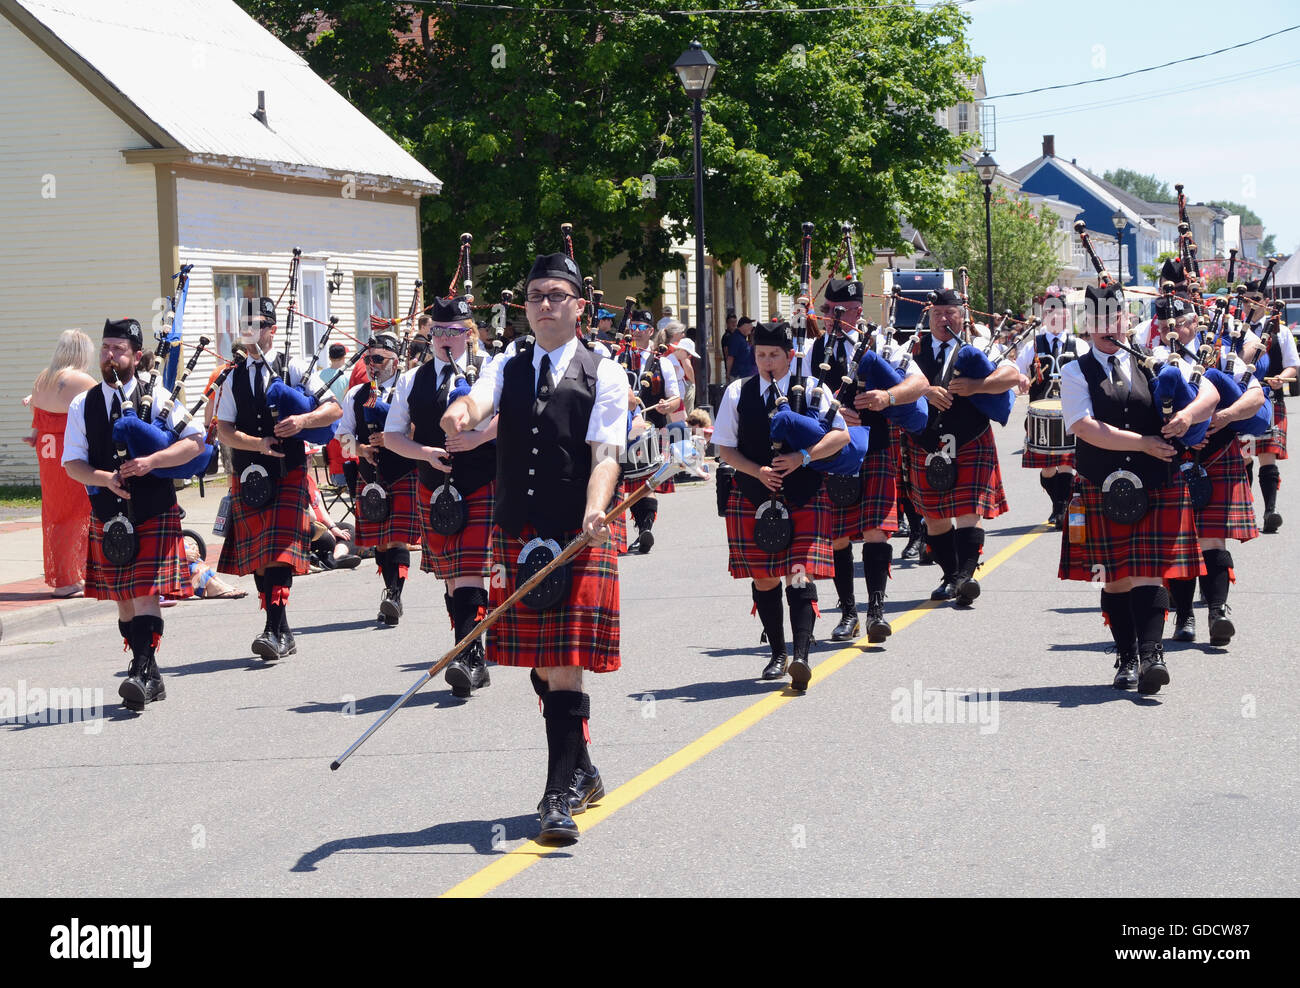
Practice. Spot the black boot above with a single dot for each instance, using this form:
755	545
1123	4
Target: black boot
1183	595
1149	605
848	628
1119	618
468	671
969	545
1152	671
143	684
1048	484
1126	665
643	513
1064	489
565	712
1214	588
1270	479
802	618
944	549
771	614
269	645
876	560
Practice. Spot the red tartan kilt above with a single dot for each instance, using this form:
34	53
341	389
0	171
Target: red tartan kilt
1273	442
878	507
1231	511
403	521
1162	545
277	535
583	632
898	450
161	568
979	481
469	551
667	487
1034	460
809	552
618	527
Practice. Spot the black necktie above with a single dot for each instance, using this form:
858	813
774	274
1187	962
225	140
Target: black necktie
841	357
544	379
771	398
1056	348
116	412
943	356
444	377
259	386
1117	380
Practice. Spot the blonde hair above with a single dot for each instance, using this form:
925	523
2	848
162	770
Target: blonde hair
72	351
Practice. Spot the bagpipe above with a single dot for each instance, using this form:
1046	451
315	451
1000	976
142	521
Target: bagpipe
626	351
376	408
167	336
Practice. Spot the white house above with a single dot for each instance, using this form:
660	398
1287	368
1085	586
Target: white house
133	142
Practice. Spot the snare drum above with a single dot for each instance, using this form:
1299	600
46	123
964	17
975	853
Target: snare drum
1046	428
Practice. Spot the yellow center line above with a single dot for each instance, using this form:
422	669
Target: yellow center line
515	861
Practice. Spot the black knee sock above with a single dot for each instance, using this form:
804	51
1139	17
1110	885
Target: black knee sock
643	513
1183	593
771	614
1048	484
451	610
913	516
1149	606
1119	617
385	570
802	616
1250	473
1270	478
468	604
944	549
278	581
564	712
124	629
876	559
844	574
398	557
1064	488
1214	584
969	544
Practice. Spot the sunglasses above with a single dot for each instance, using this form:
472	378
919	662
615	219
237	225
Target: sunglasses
639	327
453	329
375	358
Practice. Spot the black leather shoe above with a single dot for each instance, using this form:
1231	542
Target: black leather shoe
1152	672
267	646
966	591
287	644
904	530
1185	627
643	544
557	822
345	562
142	685
944	591
584	790
390	606
1221	628
913	548
878	628
459	676
776	668
848	628
926	556
478	670
800	673
1272	522
1127	676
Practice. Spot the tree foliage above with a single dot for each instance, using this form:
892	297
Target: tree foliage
1025	245
1248	216
533	117
1148	188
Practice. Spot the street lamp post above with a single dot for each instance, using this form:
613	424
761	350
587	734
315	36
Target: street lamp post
987	169
695	68
1120	221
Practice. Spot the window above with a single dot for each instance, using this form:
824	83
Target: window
229	288
963	118
374	294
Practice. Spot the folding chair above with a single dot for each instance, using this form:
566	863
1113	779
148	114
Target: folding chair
331	494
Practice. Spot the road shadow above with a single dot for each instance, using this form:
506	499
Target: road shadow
1098	647
246	662
717	690
481	836
112	711
1022	529
378	704
313	629
1074	610
1071	696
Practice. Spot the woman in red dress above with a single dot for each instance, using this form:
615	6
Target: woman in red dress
65	509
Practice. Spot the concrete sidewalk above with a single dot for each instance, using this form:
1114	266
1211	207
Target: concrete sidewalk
26	604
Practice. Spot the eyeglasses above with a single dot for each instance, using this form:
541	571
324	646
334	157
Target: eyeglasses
450	329
375	358
555	298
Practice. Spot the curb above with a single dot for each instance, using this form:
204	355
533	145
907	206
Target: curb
41	617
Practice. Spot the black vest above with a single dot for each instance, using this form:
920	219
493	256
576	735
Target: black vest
1139	414
839	369
543	460
254	419
653	366
426	403
392	467
754	440
1042	347
150	495
964	421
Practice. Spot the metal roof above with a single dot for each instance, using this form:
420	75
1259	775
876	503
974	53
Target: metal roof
193	68
1132	207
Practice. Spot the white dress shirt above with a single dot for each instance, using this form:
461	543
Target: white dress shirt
75	446
294	372
1029	349
348	423
1075	399
399	409
726	427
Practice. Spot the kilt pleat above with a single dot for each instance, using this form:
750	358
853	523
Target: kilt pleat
160	569
1162	545
979	481
618	527
1230	513
582	632
878	506
1274	441
809	553
469	551
1034	460
403	521
276	535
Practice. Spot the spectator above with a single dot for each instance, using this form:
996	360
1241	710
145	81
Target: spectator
65	508
683	361
666	318
338	355
740	353
729	330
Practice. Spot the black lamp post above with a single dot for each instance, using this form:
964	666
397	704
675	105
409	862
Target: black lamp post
987	169
695	68
1120	221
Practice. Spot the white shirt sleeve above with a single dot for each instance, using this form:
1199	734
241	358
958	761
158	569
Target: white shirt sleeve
348	423
1025	356
725	430
487	389
1286	342
399	411
608	424
226	399
192	428
74	433
1076	403
671	387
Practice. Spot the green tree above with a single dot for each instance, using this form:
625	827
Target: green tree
1025	244
533	117
1152	271
1248	215
1148	188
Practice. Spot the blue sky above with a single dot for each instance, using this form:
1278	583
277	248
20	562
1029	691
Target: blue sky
1236	139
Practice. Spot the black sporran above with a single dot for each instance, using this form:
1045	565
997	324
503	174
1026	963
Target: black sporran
121	545
773	530
940	472
1124	499
256	489
551	591
843	490
1199	486
448	514
375	503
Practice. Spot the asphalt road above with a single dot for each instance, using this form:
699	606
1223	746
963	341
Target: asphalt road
978	753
